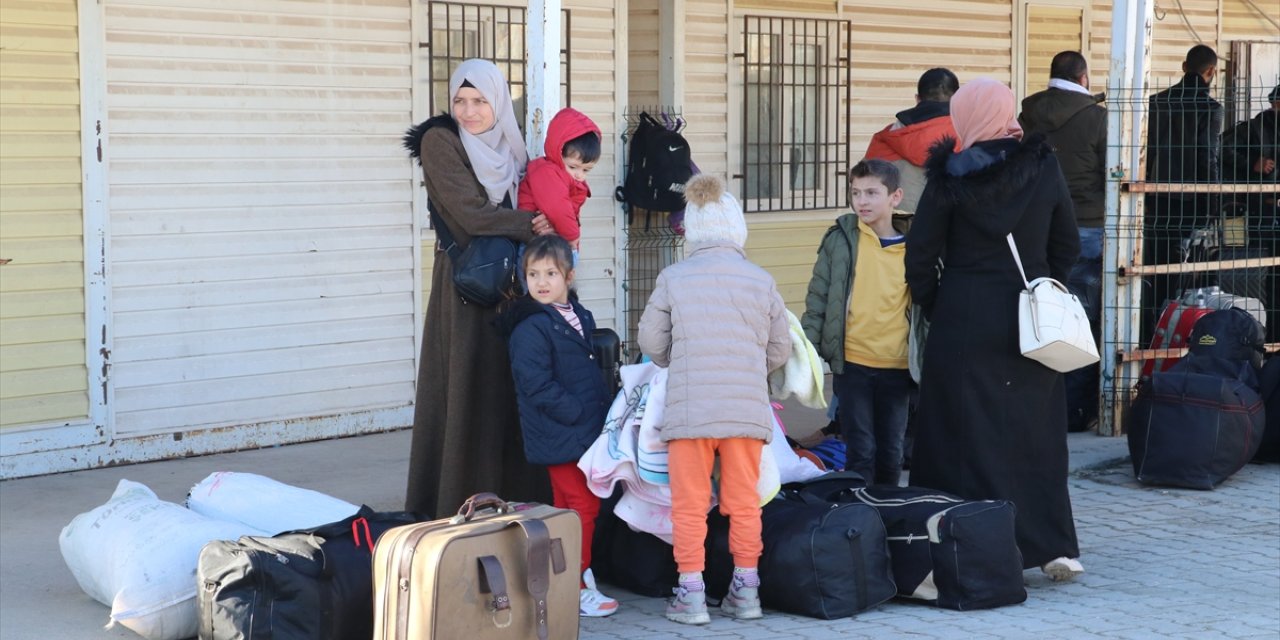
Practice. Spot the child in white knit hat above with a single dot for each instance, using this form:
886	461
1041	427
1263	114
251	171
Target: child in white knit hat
718	323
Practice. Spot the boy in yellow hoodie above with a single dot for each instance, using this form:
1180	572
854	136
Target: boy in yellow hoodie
856	314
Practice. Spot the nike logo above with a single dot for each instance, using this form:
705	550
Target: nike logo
673	149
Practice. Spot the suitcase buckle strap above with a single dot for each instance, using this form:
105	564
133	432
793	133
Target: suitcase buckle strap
494	580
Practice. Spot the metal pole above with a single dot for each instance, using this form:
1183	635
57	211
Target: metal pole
1122	239
542	73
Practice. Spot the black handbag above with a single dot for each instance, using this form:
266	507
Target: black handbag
485	271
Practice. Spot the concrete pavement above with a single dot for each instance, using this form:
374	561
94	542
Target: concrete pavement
1160	562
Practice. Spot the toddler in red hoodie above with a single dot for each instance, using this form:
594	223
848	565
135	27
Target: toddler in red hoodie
556	184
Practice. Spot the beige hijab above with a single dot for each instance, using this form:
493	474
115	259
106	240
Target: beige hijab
497	156
984	109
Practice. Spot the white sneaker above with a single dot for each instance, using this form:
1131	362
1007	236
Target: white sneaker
593	604
1063	569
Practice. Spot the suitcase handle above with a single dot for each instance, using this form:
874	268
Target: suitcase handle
477	502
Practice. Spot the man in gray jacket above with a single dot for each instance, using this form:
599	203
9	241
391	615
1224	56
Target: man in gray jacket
1076	126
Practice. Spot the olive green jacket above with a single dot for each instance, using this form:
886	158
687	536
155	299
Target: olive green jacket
832	284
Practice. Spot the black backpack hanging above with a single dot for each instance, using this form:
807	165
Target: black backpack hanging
659	163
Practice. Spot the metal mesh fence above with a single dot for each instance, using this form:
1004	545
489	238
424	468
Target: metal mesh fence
652	242
1197	223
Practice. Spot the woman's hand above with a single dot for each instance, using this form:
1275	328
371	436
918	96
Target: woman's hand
542	226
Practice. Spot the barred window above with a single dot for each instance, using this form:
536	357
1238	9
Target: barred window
460	31
795	112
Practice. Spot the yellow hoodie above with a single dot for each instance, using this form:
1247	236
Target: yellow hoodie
875	324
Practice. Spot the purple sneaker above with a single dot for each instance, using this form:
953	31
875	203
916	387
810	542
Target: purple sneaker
689	606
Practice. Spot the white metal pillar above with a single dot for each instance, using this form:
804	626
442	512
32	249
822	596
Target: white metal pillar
1122	240
671	37
542	73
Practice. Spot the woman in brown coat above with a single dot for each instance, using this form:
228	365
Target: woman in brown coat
466	432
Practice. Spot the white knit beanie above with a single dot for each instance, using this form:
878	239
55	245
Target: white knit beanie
712	214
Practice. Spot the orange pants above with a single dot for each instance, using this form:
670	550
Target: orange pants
689	463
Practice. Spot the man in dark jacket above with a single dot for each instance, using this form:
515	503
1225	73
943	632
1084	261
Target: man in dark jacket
1251	150
1076	127
1184	134
1250	154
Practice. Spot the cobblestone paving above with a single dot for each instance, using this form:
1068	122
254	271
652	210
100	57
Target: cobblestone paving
1160	563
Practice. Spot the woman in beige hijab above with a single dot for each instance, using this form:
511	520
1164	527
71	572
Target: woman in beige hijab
466	432
991	422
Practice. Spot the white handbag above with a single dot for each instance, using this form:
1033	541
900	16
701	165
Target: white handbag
1052	326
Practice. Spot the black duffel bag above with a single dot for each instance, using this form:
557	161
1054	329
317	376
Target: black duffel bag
314	584
637	561
954	553
821	559
1191	428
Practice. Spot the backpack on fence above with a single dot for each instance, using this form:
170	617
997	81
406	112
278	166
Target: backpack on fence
659	163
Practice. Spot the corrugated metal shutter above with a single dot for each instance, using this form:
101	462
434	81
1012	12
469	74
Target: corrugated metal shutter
1050	29
642	52
706	86
1177	28
594	63
890	52
261	218
43	376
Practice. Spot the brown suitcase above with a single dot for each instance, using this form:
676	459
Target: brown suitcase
494	571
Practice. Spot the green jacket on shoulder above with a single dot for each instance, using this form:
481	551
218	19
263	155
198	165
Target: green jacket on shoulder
832	284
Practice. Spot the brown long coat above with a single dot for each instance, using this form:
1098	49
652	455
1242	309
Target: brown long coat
466	431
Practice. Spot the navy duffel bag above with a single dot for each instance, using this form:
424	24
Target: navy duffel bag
1193	429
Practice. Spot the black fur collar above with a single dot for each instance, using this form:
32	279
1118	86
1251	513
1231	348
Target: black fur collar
412	139
512	312
992	183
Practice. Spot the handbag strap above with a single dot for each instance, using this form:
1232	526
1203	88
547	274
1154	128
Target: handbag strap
442	231
1018	259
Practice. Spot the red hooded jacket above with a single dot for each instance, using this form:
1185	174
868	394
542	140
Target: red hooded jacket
910	142
547	186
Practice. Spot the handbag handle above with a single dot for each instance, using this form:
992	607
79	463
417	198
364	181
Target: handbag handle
1018	259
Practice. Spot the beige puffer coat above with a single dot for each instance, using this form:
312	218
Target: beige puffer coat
719	324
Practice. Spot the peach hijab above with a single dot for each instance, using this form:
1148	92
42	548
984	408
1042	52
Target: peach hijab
984	109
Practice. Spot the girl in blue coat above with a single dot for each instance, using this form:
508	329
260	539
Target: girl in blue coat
559	389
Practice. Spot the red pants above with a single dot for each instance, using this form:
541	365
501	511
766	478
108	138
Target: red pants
569	488
689	463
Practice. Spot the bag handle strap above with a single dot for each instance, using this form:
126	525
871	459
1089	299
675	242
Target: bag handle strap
539	567
493	579
1018	259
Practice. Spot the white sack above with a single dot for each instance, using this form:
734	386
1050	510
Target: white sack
265	504
137	554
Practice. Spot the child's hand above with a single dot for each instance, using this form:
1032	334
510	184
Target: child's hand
575	244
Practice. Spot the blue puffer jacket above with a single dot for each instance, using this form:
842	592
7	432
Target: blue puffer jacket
559	388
